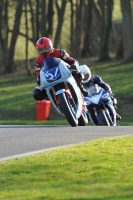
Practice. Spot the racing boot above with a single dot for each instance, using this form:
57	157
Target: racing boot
118	117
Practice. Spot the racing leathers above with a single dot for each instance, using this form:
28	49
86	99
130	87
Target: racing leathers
95	79
39	93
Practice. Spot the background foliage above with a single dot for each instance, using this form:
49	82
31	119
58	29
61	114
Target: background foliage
86	28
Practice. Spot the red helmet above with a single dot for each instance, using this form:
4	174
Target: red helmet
44	46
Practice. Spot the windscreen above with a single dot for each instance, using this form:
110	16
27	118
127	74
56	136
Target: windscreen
93	90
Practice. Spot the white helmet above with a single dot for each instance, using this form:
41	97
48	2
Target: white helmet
84	69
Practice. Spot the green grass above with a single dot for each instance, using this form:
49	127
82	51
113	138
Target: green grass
18	106
16	99
100	169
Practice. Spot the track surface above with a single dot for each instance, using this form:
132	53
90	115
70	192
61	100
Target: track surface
16	141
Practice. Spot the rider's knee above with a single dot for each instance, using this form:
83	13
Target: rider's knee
38	94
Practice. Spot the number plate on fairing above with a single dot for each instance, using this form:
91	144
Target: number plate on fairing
53	75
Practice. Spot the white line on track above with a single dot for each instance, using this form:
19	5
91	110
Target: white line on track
33	152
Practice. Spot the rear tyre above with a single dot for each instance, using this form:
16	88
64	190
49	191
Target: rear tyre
103	118
68	110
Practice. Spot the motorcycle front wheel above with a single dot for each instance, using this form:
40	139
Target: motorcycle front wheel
83	119
103	118
68	110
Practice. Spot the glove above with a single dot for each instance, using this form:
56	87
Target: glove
38	80
73	67
76	73
110	93
80	76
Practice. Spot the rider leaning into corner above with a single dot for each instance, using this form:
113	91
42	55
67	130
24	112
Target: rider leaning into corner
45	50
92	79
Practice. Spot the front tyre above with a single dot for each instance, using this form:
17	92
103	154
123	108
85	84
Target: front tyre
103	118
68	110
83	119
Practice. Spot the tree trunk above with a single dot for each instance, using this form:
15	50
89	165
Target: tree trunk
50	17
87	24
1	39
107	23
78	29
72	26
6	32
120	51
9	64
61	12
127	29
43	6
33	27
1	8
37	27
26	42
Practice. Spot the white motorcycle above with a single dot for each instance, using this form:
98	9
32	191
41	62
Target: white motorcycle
63	91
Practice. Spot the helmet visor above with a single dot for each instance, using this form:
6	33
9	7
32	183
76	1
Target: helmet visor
86	77
44	50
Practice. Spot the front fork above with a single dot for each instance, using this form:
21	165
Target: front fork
108	115
96	116
68	93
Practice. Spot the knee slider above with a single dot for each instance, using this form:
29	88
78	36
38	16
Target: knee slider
37	94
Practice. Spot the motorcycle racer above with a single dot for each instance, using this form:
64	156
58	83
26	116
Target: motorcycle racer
45	50
92	79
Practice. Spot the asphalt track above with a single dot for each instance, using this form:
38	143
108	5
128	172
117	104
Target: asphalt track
18	141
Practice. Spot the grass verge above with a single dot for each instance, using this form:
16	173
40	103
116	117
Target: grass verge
100	169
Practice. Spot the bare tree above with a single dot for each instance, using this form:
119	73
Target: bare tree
87	36
1	39
120	51
6	18
43	15
87	26
107	8
26	42
3	30
71	25
41	12
127	29
33	24
1	8
78	28
15	33
37	24
50	17
60	11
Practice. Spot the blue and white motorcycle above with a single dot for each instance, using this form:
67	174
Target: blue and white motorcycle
96	99
63	91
